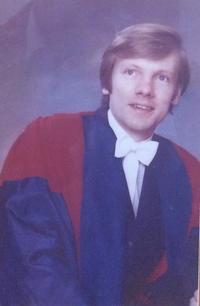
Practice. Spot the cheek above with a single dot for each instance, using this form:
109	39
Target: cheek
120	86
166	90
117	103
165	96
123	94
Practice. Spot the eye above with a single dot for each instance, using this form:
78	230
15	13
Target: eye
163	78
130	71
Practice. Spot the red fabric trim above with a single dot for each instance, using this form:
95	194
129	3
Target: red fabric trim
144	300
159	270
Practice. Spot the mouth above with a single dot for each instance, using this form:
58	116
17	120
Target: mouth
141	107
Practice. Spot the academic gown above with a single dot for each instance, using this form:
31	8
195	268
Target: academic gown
62	233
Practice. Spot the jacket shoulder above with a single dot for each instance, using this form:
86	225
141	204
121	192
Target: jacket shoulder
189	160
58	120
191	163
45	142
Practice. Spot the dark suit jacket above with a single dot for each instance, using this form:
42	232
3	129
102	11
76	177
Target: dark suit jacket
65	155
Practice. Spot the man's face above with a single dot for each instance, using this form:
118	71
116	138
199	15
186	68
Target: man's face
142	92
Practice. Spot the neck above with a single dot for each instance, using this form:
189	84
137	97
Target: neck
138	137
120	130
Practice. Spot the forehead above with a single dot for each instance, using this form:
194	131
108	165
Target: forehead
168	64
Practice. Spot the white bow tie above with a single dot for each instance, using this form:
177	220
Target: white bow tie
144	151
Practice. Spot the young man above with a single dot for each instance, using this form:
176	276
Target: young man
96	208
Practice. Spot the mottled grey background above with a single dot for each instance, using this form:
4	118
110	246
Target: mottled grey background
50	52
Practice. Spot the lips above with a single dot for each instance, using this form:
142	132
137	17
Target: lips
141	106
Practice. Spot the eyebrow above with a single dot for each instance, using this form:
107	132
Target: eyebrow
131	65
128	66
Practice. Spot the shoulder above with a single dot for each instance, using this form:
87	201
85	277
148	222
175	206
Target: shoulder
58	121
57	126
175	153
189	160
45	143
192	166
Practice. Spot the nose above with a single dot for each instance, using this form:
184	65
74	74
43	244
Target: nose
145	87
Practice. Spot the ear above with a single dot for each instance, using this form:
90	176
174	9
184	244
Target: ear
176	96
105	91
